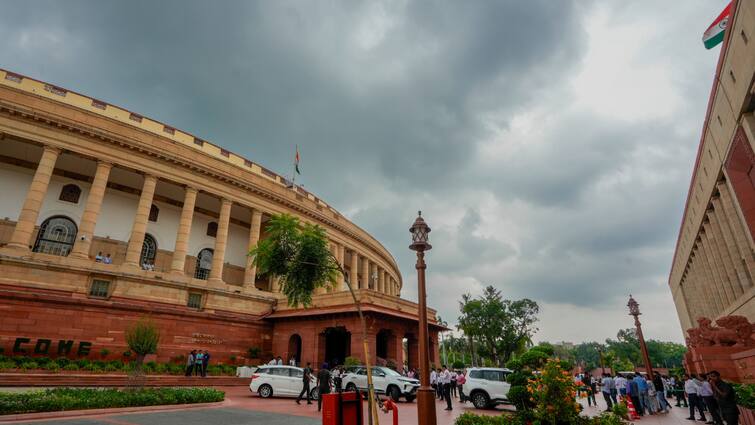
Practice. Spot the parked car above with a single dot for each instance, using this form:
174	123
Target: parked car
487	386
281	381
385	381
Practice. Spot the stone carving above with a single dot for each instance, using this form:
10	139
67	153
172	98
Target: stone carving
731	331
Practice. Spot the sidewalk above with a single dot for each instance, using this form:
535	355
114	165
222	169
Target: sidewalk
677	415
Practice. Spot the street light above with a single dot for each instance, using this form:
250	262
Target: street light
425	394
634	310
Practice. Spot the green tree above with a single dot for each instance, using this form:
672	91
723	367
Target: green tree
502	327
142	338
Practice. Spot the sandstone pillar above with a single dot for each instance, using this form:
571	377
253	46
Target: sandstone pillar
27	218
354	271
250	273
221	240
711	278
365	274
341	257
381	281
739	231
728	248
91	211
135	242
720	264
184	231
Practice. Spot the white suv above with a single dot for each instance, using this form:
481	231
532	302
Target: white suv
281	381
385	381
487	386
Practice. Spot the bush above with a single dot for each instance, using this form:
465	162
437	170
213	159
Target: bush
621	410
127	353
254	352
534	359
519	396
7	364
458	365
86	398
515	364
29	365
52	367
71	366
62	361
473	419
745	395
544	347
352	361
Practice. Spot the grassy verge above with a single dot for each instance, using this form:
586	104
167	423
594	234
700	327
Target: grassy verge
84	398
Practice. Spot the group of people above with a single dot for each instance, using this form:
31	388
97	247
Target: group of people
446	382
196	363
104	260
323	384
650	396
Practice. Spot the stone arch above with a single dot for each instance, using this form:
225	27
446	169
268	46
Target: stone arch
294	348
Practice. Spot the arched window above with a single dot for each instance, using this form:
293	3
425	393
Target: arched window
149	250
204	264
212	229
153	213
56	236
70	193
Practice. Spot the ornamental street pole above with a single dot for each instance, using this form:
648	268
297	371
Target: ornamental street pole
634	310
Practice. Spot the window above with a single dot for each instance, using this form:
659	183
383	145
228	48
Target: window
204	264
13	77
493	375
475	374
279	371
56	236
149	250
212	229
99	288
99	104
153	213
195	300
169	130
135	117
198	142
296	373
70	193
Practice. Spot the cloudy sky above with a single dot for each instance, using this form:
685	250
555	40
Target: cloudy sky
549	144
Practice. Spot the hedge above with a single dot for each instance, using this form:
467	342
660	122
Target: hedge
88	398
25	363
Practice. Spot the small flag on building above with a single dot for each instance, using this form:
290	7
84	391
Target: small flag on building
296	161
715	32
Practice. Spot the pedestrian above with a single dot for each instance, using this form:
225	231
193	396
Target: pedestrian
434	381
306	379
606	386
592	388
99	258
337	379
692	389
660	389
461	379
642	387
272	362
198	362
445	381
107	259
323	384
652	397
633	391
726	398
620	383
453	384
190	362
681	395
205	362
292	361
279	361
706	394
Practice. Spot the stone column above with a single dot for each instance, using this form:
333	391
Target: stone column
221	240
728	248
710	277
250	273
341	257
723	270
739	232
365	273
91	211
184	231
353	271
381	281
717	283
139	227
27	218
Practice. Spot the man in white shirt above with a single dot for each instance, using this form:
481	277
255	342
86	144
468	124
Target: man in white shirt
272	362
434	381
692	388
444	379
620	383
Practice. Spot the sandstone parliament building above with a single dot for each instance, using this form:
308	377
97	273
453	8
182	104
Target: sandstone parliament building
713	270
79	177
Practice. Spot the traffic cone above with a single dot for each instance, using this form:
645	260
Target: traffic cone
632	412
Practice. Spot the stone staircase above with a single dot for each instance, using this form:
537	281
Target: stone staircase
113	380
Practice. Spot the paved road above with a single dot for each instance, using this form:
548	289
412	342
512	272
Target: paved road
224	416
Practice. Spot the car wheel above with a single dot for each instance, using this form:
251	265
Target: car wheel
394	393
350	387
480	400
410	398
265	391
314	394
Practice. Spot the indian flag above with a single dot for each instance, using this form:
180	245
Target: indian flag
715	32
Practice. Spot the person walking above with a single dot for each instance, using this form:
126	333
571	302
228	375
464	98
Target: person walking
642	393
337	380
606	386
620	383
453	384
323	384
190	362
660	390
633	391
692	389
706	394
205	363
445	381
681	396
306	379
726	398
434	381
461	379
592	388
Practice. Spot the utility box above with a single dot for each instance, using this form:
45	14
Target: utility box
342	409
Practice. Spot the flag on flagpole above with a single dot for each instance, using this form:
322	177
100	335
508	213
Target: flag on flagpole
715	32
296	161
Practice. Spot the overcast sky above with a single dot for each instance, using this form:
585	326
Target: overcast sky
549	144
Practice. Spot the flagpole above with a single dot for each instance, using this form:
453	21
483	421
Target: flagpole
293	174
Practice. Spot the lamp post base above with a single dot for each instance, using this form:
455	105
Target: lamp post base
426	406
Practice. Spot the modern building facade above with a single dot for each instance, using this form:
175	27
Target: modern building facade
713	270
107	216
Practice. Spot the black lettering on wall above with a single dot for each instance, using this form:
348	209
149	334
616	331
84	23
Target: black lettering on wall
17	345
84	348
42	347
64	347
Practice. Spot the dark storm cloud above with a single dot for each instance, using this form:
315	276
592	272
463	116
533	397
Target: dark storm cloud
391	104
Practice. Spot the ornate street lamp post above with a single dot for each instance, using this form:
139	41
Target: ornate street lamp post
600	357
634	310
425	394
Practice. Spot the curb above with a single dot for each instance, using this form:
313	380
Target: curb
72	414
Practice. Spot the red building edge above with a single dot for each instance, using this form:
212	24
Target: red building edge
56	323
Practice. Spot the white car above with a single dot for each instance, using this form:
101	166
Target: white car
487	386
385	381
281	381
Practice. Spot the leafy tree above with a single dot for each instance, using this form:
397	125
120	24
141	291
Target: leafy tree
502	327
142	338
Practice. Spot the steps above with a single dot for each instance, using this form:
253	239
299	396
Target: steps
113	380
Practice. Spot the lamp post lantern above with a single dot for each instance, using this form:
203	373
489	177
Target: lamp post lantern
425	394
634	310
